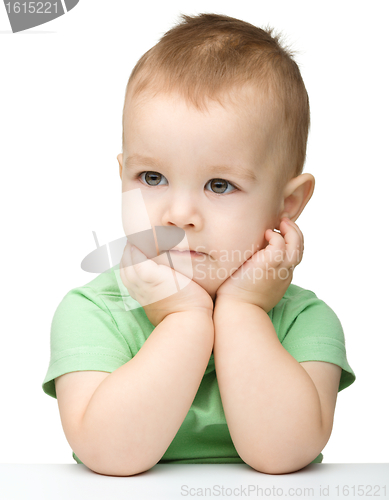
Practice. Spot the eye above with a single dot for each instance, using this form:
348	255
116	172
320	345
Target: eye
219	184
153	179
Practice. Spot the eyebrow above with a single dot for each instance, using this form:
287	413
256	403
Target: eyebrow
237	170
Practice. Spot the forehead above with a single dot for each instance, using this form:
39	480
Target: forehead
242	121
243	101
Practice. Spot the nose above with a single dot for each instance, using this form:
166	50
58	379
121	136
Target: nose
182	211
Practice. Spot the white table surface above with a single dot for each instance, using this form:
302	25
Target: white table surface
170	482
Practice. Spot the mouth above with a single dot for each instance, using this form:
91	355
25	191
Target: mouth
187	252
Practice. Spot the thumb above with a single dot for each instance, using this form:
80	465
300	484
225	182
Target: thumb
136	255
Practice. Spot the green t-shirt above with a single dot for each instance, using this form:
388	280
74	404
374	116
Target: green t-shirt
100	327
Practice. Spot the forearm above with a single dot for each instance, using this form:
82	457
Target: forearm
137	410
271	405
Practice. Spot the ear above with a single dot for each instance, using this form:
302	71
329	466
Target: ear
297	193
120	160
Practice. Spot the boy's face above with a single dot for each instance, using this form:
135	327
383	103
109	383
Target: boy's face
185	183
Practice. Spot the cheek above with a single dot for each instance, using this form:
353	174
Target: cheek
139	212
234	252
247	245
250	236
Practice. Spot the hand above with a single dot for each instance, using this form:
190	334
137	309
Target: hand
158	288
264	278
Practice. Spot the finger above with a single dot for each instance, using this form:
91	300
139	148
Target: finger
129	263
275	250
126	260
301	240
298	229
294	243
127	271
145	268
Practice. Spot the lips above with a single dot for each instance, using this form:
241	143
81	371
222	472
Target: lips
186	250
191	252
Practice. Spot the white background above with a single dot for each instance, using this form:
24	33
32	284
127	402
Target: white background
61	95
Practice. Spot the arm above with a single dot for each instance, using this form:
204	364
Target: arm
137	410
271	404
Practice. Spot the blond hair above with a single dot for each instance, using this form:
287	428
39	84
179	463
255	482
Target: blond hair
206	56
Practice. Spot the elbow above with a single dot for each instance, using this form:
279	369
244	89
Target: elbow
286	459
110	463
282	466
122	468
110	470
114	461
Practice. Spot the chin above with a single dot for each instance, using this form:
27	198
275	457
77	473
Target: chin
209	286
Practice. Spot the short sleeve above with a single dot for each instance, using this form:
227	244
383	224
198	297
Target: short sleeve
316	334
84	336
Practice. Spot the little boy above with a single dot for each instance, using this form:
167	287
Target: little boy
238	365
